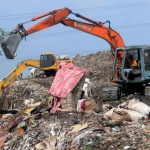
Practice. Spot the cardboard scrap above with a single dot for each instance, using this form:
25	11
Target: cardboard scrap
79	127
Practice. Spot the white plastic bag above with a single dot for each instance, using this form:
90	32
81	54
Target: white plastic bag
109	113
135	116
138	106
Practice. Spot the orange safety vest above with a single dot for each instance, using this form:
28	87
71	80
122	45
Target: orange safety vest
133	63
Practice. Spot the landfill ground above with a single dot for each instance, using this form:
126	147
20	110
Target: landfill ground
69	130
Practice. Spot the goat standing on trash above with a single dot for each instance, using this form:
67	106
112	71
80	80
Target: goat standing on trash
87	88
32	72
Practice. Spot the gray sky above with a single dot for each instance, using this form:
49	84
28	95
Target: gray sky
129	18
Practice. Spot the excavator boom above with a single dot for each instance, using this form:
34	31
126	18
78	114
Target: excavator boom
10	44
55	18
99	30
17	71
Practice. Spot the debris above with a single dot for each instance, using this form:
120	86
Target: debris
20	132
126	147
79	127
136	105
116	128
2	141
29	110
119	116
90	105
109	113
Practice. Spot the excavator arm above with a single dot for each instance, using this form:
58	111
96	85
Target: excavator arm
17	71
11	42
99	30
60	16
56	17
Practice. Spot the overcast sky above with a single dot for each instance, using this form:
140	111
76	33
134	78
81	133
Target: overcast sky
130	18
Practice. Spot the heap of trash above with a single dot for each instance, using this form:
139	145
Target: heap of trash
66	111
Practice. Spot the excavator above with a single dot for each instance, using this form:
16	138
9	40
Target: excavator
48	63
139	83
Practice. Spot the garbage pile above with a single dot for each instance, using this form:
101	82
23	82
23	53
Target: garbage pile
80	120
72	130
100	64
34	89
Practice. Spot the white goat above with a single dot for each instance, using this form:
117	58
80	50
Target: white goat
87	88
32	72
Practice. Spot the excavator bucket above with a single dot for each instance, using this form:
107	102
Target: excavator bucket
10	45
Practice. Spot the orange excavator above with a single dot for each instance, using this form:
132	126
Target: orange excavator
140	76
